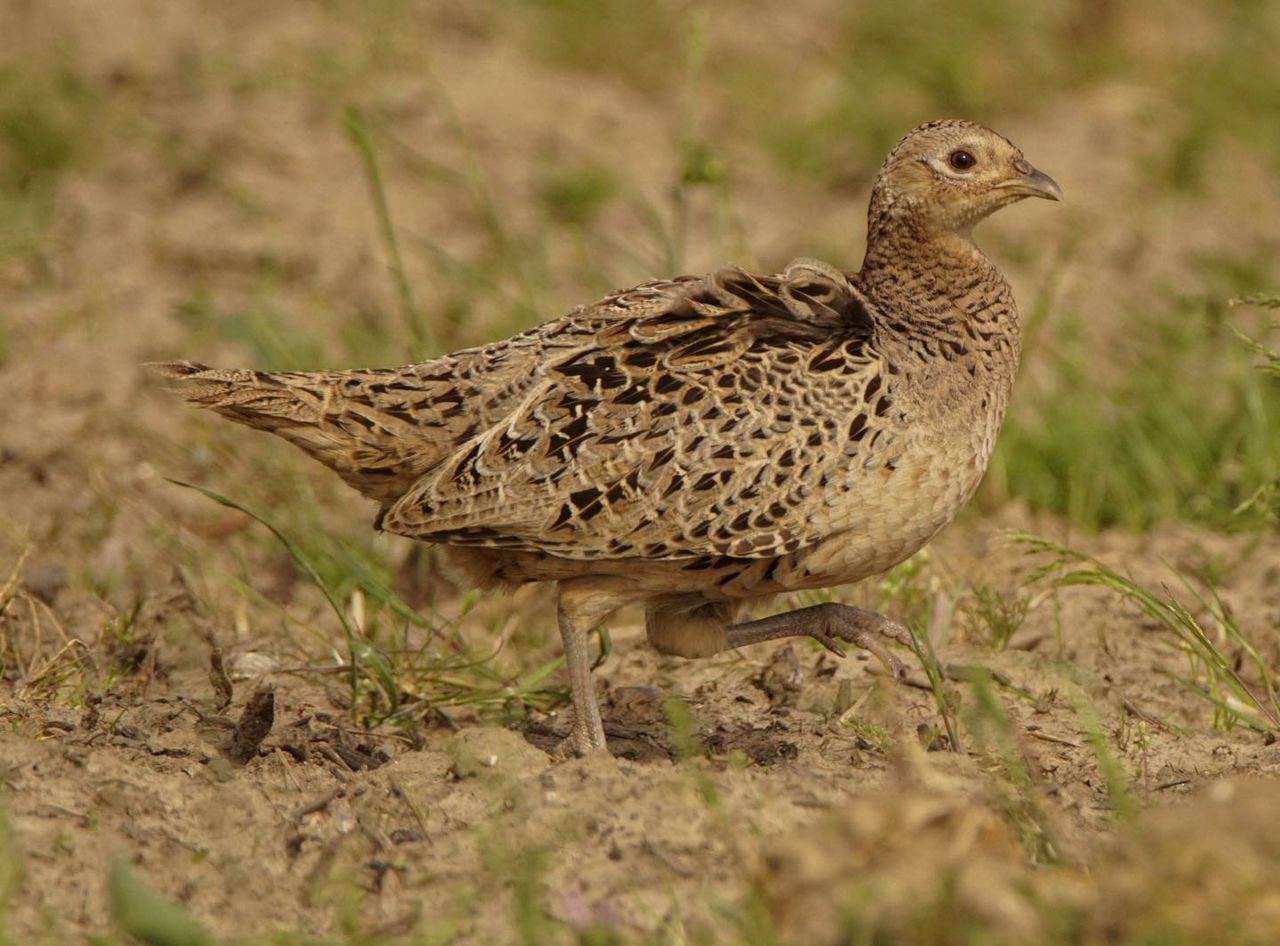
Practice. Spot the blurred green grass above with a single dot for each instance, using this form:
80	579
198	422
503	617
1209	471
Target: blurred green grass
1177	424
50	125
830	101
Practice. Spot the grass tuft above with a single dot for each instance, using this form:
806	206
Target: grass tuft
944	699
575	196
425	673
997	616
45	118
1114	777
1014	782
1213	675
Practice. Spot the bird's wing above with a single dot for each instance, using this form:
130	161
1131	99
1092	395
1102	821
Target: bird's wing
382	429
696	417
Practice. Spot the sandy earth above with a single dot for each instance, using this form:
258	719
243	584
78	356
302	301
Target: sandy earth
216	169
335	822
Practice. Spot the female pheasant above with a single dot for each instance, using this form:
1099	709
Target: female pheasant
699	444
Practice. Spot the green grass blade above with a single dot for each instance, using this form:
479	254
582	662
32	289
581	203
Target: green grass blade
415	320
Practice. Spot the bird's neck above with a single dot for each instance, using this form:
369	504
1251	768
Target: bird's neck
916	249
934	269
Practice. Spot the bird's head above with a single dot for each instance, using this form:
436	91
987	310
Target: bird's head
945	176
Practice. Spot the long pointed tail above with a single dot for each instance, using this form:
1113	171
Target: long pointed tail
346	420
256	398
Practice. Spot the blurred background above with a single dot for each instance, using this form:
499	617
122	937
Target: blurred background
332	183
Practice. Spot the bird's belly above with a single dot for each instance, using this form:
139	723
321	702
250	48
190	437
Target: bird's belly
888	516
874	518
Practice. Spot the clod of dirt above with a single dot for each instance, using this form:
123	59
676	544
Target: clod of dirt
636	706
251	664
132	654
493	753
338	747
255	724
762	744
219	680
782	677
90	717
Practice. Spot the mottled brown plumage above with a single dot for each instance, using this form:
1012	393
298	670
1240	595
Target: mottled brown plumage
702	442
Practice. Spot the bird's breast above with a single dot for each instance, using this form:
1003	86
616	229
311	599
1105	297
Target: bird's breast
923	464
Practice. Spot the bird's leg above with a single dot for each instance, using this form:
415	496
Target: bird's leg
587	735
827	623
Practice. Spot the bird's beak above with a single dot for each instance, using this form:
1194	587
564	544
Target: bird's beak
1032	183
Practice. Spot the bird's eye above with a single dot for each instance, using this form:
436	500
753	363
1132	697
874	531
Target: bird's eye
961	160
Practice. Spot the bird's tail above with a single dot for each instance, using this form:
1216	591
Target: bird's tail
346	420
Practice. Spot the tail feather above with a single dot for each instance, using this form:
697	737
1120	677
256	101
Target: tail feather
334	417
254	398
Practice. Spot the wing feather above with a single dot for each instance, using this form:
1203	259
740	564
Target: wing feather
688	418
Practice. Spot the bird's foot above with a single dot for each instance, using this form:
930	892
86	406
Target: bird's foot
583	740
829	624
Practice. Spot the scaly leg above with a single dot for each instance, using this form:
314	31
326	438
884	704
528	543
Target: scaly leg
827	623
587	734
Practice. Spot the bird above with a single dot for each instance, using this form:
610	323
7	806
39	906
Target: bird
699	444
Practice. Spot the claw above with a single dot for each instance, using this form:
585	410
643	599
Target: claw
873	645
829	642
897	669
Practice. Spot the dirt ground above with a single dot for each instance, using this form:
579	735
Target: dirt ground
773	790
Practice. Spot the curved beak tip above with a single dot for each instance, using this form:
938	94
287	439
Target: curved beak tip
1039	184
1047	186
